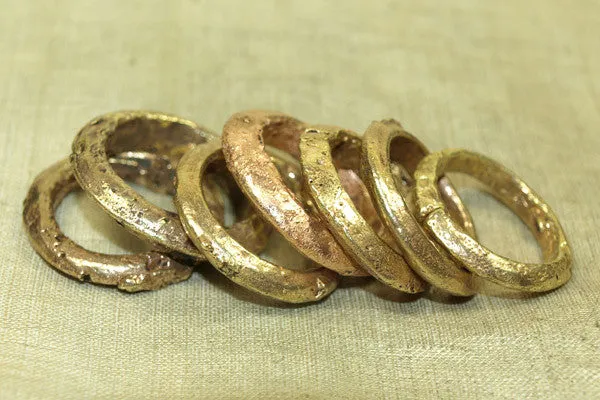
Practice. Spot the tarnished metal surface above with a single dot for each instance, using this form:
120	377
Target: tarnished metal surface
132	273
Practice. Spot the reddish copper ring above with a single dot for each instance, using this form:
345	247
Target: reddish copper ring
244	138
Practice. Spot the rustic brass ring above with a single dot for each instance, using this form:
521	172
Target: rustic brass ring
229	256
384	143
161	134
168	137
244	138
350	228
132	273
555	269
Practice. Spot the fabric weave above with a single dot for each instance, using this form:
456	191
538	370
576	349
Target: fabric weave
516	80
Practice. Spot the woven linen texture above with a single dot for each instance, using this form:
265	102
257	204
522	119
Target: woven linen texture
516	80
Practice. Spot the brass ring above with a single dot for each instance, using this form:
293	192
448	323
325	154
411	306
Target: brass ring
229	256
244	138
132	273
349	227
385	143
553	272
162	134
166	136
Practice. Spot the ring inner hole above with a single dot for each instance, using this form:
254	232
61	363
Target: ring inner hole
485	189
145	152
154	136
284	134
84	222
405	156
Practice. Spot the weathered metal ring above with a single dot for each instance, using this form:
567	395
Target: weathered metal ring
166	136
245	136
132	273
554	271
225	253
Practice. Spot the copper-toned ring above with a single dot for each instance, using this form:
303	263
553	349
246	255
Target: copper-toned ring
349	227
244	138
554	271
132	273
228	255
386	143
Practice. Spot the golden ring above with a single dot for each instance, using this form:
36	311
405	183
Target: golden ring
384	143
132	273
350	228
244	138
555	269
166	136
229	256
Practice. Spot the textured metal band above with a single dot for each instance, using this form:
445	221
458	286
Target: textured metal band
516	195
132	273
385	146
228	255
350	228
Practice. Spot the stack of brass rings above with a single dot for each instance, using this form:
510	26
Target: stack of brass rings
377	204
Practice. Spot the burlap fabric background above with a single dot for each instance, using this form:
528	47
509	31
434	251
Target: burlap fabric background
517	80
